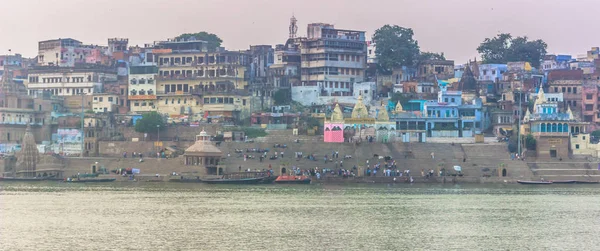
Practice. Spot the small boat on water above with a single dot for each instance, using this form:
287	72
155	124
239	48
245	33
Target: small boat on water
182	179
29	179
90	180
527	182
586	182
234	181
243	178
563	182
288	179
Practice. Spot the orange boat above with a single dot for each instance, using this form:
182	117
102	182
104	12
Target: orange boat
287	179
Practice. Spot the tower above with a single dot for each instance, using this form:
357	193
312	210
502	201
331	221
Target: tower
293	27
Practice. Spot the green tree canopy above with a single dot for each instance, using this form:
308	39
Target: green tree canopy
213	41
150	123
530	142
396	47
431	56
282	97
504	48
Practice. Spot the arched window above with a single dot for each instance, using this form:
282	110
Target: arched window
565	128
543	127
554	128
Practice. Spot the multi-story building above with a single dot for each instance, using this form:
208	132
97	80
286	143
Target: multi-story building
17	110
590	96
332	60
571	90
142	88
67	52
552	128
285	70
63	81
104	102
188	74
429	70
491	72
554	62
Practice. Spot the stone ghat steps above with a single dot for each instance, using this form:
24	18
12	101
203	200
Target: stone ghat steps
564	170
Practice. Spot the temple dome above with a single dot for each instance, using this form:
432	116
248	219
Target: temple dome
337	115
360	110
382	115
399	108
203	146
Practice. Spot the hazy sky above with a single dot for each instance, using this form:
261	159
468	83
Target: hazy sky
455	27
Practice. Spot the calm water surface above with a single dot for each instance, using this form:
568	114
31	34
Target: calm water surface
53	216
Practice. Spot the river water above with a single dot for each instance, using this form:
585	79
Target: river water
166	216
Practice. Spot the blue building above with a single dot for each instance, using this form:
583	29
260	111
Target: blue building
448	116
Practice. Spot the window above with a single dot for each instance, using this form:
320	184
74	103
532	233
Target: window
243	101
574	103
110	99
588	96
493	72
583	137
555	89
569	89
574	89
564	89
136	104
589	107
576	146
446	100
452	100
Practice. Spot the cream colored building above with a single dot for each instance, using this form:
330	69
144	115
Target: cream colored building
68	81
104	102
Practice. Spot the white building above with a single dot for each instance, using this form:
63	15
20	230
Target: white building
142	88
104	102
66	52
333	59
371	53
68	81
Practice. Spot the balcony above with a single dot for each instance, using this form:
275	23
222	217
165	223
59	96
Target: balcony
221	107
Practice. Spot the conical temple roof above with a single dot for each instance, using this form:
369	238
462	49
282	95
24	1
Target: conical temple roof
360	110
399	108
383	116
527	116
337	115
570	113
28	157
468	82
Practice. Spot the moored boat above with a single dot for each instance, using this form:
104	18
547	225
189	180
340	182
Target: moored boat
563	182
529	182
28	179
586	182
234	181
288	179
243	178
186	180
90	180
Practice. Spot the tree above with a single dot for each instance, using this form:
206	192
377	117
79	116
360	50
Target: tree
504	48
400	97
530	142
150	123
395	47
213	41
431	56
282	97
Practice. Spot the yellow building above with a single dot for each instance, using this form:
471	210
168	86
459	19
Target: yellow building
203	85
143	103
105	102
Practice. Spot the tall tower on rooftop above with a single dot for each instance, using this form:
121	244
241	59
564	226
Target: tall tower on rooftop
293	27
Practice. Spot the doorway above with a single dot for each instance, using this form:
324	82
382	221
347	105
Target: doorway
503	172
553	153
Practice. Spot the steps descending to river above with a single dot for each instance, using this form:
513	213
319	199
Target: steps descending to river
566	170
